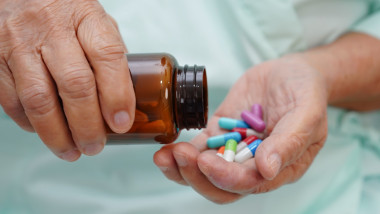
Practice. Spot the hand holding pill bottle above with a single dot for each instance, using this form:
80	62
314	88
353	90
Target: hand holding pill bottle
169	98
284	102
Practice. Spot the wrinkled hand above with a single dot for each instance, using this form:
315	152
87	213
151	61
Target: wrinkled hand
294	99
68	53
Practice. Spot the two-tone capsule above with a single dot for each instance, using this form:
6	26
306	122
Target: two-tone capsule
230	150
253	121
229	123
248	152
244	143
248	132
220	140
221	151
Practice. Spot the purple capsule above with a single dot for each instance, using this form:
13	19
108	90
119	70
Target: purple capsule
257	110
254	121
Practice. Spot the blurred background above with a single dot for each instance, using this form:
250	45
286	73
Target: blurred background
227	37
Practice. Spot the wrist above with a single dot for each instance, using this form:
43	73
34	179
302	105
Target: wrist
312	64
350	69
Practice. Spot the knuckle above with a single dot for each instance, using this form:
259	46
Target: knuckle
106	51
296	141
12	107
77	84
113	21
37	99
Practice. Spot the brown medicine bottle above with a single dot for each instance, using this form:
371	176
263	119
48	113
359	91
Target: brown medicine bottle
169	98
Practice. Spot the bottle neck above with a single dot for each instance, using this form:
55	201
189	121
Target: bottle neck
191	98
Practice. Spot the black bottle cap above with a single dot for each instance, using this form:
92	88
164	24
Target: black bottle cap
191	97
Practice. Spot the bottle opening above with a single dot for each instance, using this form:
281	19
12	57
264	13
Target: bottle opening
191	97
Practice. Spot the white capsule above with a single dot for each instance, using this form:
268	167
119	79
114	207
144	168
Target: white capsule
251	132
248	152
243	155
230	150
229	155
221	151
244	143
241	146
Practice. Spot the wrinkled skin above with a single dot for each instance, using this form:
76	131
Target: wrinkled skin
64	53
294	99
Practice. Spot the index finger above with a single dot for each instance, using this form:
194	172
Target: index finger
105	50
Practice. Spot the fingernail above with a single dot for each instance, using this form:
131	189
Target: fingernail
70	156
121	120
274	161
163	168
93	149
181	159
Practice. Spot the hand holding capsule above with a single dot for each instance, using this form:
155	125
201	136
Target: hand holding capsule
294	98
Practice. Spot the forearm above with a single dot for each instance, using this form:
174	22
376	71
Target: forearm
351	67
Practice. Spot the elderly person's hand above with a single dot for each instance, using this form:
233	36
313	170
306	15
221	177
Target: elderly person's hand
294	92
294	99
63	73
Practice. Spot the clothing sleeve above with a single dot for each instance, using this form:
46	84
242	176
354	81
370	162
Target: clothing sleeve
370	24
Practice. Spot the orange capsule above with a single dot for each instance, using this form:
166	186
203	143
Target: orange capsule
221	151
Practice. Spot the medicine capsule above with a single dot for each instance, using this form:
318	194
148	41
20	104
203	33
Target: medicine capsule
244	143
247	132
220	140
257	110
248	152
253	121
229	123
230	150
221	151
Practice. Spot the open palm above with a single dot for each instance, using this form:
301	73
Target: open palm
293	96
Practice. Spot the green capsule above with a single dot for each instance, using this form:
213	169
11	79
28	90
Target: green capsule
231	145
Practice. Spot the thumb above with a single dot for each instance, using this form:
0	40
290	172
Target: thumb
290	138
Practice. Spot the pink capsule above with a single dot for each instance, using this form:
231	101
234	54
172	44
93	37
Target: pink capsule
257	110
252	120
247	132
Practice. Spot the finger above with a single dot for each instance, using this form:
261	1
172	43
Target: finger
230	176
290	173
166	163
114	23
105	50
9	99
245	178
38	97
164	158
290	138
200	141
76	85
186	156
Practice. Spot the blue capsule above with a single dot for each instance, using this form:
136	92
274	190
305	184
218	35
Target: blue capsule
229	123
253	146
220	140
248	152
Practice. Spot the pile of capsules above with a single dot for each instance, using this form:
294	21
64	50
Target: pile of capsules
248	132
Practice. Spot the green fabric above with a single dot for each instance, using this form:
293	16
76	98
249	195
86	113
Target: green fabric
228	37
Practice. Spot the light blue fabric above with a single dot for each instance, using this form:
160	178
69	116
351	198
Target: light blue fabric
228	37
370	23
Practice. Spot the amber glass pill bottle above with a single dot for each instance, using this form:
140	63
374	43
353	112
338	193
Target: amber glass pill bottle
169	98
